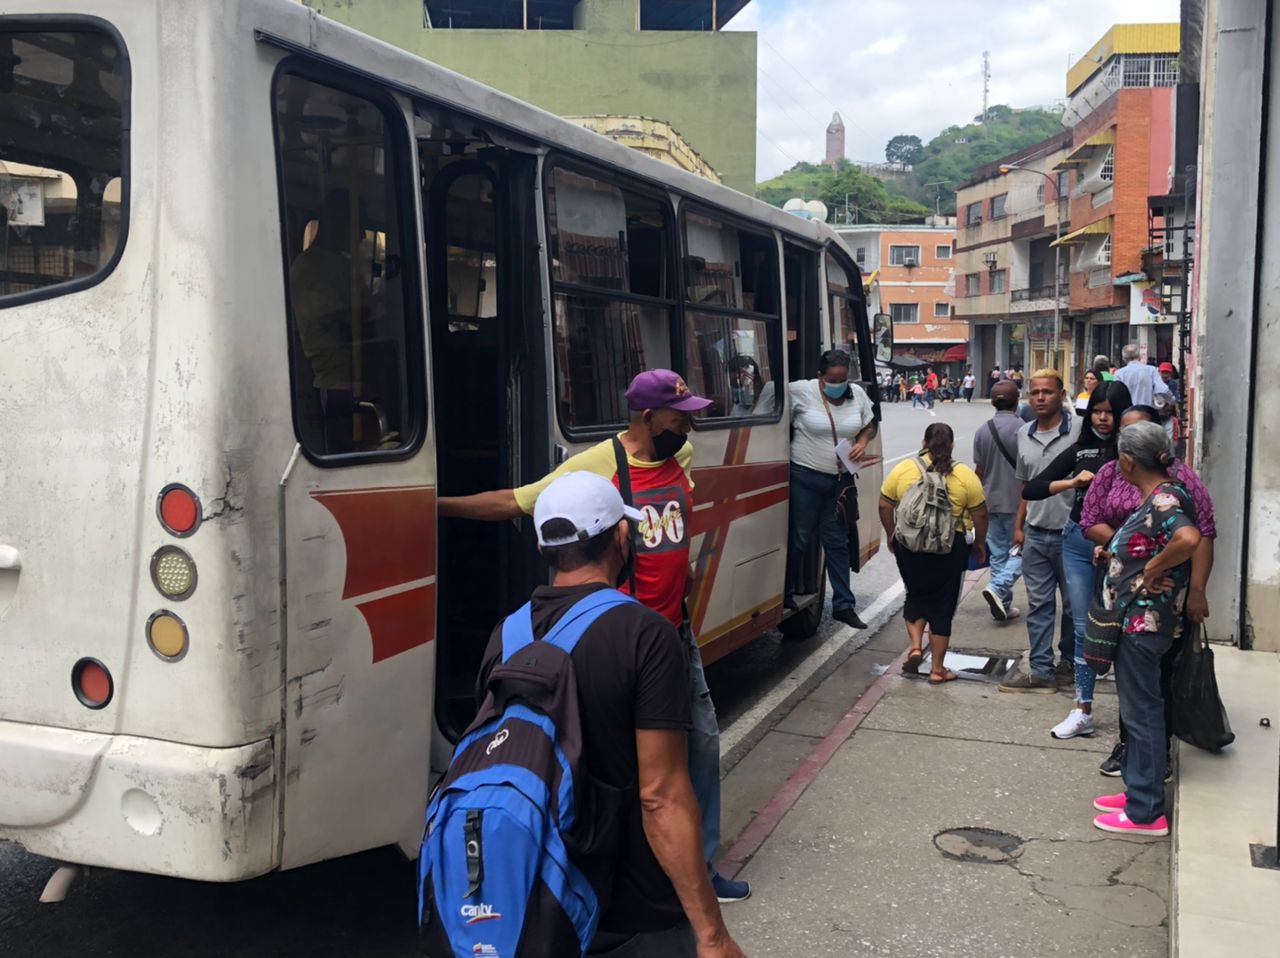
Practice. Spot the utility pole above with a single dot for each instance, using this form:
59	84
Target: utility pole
986	82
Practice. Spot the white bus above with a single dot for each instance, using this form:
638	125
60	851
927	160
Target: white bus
267	287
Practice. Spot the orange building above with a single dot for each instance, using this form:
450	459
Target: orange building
907	272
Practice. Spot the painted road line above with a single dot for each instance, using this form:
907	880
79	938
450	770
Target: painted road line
747	722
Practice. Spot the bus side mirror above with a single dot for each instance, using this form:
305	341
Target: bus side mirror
882	329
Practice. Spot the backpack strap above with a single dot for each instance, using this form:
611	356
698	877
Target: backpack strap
995	435
624	488
517	628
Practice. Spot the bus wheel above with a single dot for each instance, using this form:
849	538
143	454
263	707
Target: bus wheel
803	624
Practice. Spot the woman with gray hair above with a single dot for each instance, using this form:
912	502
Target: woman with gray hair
1148	571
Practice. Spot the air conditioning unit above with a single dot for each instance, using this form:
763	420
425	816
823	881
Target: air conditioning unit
909	262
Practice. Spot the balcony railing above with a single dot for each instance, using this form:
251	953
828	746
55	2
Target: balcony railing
1037	292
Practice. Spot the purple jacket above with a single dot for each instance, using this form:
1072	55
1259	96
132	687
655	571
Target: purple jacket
1112	498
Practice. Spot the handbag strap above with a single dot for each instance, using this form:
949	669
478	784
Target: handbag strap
624	488
835	439
995	435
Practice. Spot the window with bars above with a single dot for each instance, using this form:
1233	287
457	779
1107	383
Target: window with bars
941	310
1040	194
1149	69
999	205
973	214
1064	183
1104	253
861	255
1108	169
973	284
998	283
904	312
942	252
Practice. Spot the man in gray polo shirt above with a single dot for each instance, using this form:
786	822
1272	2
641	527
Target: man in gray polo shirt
1038	529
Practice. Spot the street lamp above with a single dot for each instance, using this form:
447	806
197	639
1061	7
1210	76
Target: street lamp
1057	250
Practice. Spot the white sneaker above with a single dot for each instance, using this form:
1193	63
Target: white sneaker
998	610
1077	723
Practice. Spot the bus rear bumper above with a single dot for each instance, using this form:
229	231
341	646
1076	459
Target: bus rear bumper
139	804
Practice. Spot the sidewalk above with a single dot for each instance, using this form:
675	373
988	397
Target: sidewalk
857	853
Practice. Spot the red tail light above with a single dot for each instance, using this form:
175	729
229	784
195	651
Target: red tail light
92	683
179	510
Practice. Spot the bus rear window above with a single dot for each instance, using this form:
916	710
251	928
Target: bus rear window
62	159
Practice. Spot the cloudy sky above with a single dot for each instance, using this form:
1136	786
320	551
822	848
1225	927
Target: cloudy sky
893	66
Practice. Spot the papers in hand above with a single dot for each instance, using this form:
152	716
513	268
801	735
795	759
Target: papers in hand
844	452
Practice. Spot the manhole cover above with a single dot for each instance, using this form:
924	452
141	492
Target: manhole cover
984	845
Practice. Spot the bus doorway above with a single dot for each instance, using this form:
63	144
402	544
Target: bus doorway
481	262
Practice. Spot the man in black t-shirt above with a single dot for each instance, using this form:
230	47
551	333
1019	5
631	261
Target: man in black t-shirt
632	672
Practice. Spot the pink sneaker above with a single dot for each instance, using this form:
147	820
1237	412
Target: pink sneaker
1119	822
1109	803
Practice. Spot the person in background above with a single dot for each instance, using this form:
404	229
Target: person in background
993	377
1038	530
917	392
823	412
752	395
933	581
632	673
1148	563
1018	379
1109	503
1144	381
1169	375
1073	470
659	460
1102	366
930	387
969	382
1091	381
995	458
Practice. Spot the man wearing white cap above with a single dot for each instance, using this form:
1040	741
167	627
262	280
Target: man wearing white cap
632	672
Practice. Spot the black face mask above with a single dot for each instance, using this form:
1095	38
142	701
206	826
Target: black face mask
628	568
666	444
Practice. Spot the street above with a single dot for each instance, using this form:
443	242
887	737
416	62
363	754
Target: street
364	904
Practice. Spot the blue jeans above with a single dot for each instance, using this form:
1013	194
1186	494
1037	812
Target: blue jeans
704	749
1042	573
930	395
1005	569
1138	685
813	510
1077	563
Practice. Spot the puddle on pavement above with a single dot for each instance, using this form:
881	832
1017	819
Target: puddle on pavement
975	666
985	846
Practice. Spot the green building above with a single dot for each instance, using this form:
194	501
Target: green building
663	59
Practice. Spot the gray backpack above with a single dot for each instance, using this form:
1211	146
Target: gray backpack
924	521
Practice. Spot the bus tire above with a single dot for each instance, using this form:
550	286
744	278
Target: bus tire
803	624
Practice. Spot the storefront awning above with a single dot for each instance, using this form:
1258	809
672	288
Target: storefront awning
1084	152
1099	228
956	354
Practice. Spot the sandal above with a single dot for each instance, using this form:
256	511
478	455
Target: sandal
940	678
914	658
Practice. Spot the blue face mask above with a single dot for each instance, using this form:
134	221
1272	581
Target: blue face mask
835	390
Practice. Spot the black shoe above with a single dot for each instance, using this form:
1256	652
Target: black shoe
849	617
1110	766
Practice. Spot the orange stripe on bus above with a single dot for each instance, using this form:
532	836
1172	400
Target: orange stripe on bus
390	535
400	621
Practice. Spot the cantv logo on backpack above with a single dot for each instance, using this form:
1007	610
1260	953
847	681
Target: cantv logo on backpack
474	914
497	740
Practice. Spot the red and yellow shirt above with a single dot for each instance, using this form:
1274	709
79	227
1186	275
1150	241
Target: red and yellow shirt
663	491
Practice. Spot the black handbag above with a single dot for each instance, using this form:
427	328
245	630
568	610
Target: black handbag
1197	715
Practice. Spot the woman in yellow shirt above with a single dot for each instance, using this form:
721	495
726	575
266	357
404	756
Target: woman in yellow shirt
933	581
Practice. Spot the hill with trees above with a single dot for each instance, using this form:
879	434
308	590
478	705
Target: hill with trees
916	175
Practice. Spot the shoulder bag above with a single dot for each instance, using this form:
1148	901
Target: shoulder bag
846	493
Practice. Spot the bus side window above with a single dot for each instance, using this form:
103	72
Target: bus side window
732	318
844	320
352	299
611	281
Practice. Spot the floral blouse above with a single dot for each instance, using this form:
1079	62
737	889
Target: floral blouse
1112	498
1143	536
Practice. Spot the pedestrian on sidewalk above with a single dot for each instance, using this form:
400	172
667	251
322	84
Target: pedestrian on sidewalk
1148	561
933	580
632	675
1072	471
1102	365
1038	530
657	458
993	377
969	382
825	411
1091	381
917	393
930	388
1107	506
1144	381
995	459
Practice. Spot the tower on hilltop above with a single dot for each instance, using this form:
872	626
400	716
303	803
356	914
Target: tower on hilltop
835	140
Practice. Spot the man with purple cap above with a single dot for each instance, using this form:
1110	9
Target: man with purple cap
651	464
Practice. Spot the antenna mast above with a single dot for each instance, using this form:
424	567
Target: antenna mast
986	82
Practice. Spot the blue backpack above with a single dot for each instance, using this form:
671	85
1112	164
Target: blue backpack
519	838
